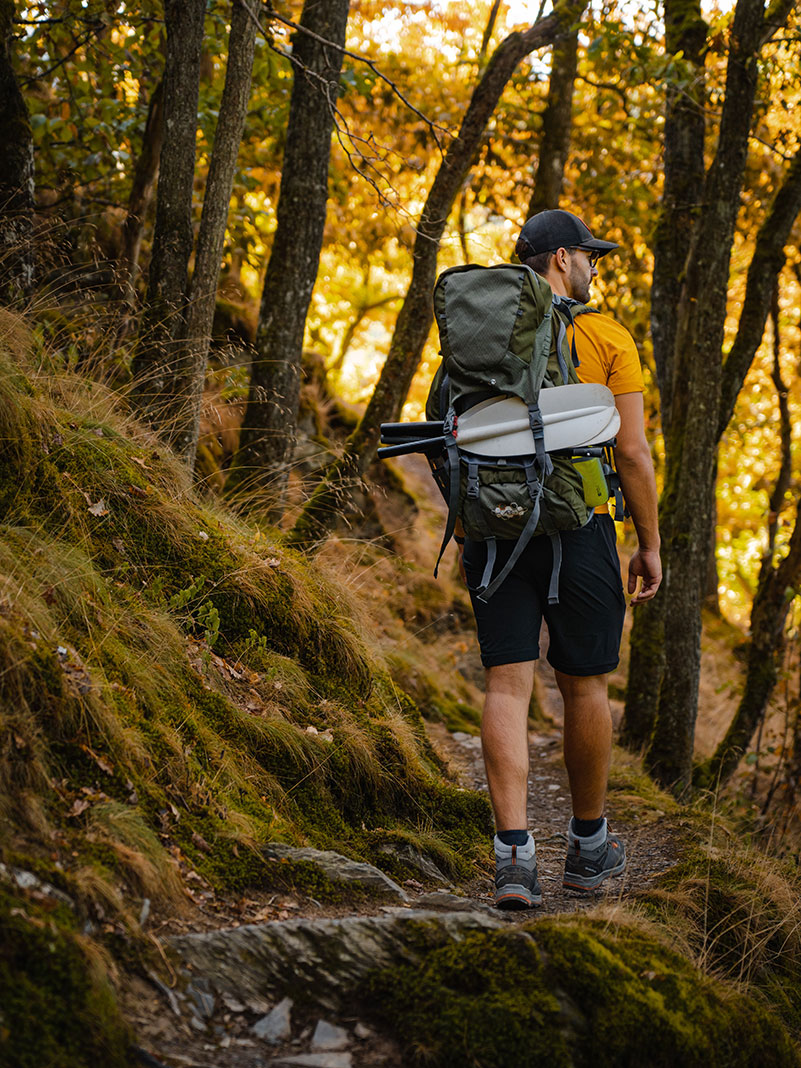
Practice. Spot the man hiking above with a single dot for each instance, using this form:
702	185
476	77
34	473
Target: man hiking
585	625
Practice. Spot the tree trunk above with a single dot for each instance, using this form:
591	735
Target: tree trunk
416	314
557	122
771	602
268	432
685	43
691	439
141	196
685	34
16	175
163	320
190	374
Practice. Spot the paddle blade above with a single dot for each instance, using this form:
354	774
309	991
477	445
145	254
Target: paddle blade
573	416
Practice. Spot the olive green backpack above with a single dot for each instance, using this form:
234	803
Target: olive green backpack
503	333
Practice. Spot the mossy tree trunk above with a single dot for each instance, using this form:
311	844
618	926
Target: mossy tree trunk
190	372
16	174
557	124
692	435
416	315
685	40
163	319
269	427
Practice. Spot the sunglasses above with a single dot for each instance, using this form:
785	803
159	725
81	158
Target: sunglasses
593	255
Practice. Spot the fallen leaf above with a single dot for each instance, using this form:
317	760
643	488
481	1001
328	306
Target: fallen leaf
200	842
99	508
78	806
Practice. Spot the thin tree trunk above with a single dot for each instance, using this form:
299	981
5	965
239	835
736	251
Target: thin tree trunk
269	429
685	36
163	320
691	440
190	374
416	314
771	603
557	124
16	175
141	196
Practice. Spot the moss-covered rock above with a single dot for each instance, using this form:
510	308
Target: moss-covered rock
570	993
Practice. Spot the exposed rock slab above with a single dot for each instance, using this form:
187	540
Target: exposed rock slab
339	869
317	960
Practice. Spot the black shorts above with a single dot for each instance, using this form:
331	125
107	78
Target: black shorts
584	628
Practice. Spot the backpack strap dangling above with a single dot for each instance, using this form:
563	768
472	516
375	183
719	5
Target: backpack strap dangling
535	492
448	429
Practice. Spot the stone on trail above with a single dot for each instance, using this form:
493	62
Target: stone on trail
329	1036
452	903
339	869
319	961
413	858
276	1026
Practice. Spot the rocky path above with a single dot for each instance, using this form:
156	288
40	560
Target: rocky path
278	993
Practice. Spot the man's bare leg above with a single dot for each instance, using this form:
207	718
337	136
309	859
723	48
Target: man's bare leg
504	740
587	741
593	854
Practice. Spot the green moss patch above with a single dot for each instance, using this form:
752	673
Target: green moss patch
570	994
56	1008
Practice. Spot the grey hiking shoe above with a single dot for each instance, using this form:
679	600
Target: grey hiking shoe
591	860
516	883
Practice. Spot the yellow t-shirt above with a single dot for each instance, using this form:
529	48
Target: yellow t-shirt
607	354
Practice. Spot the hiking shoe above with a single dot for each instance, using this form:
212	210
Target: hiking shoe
516	883
591	860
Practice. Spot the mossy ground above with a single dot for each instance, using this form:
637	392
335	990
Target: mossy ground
177	688
57	1007
571	993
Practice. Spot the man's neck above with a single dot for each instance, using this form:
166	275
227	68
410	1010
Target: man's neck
556	282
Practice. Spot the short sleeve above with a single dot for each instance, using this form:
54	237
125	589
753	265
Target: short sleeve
607	354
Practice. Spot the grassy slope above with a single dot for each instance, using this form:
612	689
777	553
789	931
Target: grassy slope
161	664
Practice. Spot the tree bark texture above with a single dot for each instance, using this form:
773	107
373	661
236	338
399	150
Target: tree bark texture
692	435
190	372
685	43
685	33
557	122
16	175
269	428
144	182
416	314
163	320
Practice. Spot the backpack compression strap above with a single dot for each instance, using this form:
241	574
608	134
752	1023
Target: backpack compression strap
448	429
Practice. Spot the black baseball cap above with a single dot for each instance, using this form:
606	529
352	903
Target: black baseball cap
549	230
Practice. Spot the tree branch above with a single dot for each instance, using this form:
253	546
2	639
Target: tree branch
433	126
766	263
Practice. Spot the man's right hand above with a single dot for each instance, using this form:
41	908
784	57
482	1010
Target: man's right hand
647	566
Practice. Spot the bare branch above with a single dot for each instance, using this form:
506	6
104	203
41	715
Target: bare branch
433	126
